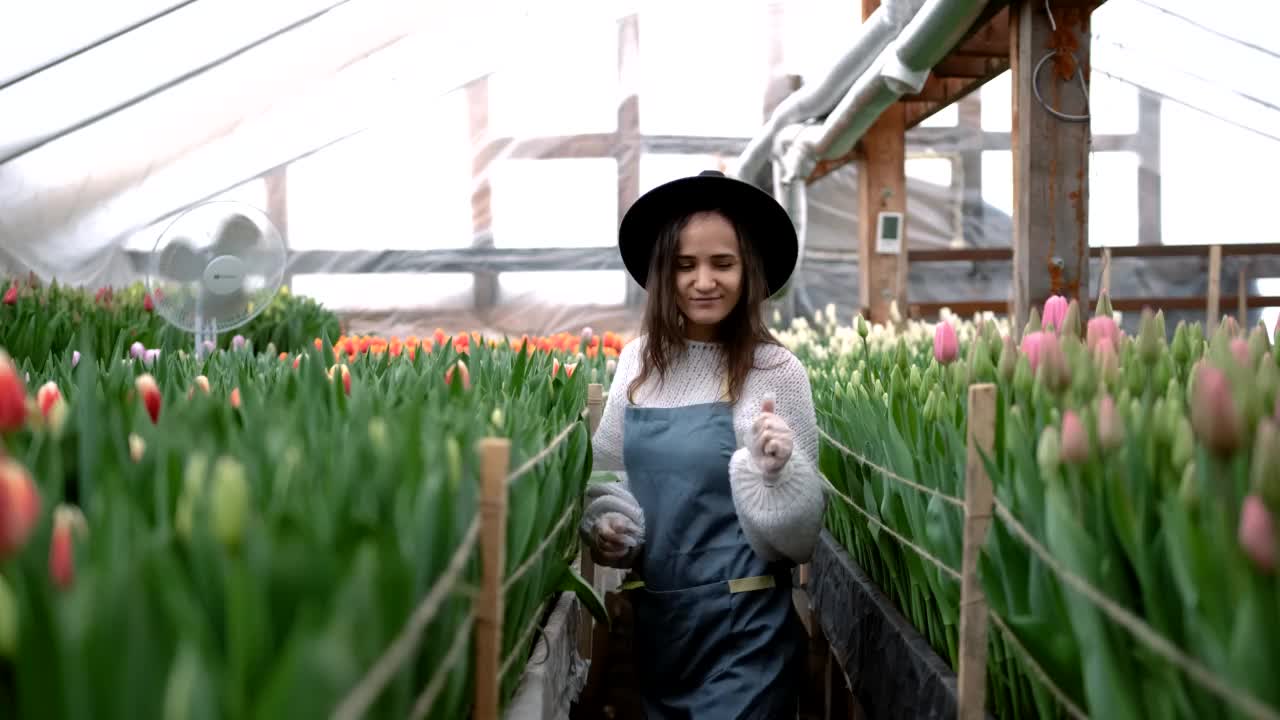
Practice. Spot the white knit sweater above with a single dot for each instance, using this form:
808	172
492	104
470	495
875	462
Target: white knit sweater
781	516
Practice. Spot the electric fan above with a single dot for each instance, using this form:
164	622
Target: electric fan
214	268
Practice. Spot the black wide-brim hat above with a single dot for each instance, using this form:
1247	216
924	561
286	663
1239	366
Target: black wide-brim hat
765	223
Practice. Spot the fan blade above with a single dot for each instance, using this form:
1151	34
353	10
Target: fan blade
237	234
180	262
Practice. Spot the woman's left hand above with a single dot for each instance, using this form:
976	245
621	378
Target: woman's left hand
772	440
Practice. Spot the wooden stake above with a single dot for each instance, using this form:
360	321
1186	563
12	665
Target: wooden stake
977	519
1242	300
1105	279
495	459
587	566
1215	289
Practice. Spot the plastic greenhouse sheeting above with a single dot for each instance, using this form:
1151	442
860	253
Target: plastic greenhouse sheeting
465	165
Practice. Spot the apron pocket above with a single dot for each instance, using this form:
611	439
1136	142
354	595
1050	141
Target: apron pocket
681	636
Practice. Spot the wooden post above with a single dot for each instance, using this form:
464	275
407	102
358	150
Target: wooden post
1242	299
587	566
1215	289
1050	156
1104	279
882	188
495	458
972	679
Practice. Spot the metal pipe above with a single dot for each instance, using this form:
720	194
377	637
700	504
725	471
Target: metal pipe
900	69
812	101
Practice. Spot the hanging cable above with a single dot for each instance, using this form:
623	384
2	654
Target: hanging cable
1035	77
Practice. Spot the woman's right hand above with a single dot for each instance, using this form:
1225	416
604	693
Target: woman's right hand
614	538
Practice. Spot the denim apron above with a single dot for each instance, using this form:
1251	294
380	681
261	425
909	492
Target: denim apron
716	635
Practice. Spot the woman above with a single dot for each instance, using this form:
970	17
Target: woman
713	423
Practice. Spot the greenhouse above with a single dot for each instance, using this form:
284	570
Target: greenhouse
583	360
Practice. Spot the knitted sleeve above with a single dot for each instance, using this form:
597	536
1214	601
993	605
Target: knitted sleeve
782	515
607	442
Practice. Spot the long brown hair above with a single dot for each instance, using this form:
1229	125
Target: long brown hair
738	334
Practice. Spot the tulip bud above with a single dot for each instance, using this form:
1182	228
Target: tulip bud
1053	370
916	378
453	460
1240	352
902	354
1048	453
1104	358
945	344
1071	321
201	382
1008	359
46	396
1103	308
13	396
464	374
1149	339
863	328
137	447
1214	416
1055	312
237	342
19	506
1257	534
137	351
1259	345
68	526
1264	471
229	500
1110	426
1033	323
1184	444
1181	347
496	418
1102	331
586	337
1075	439
1023	378
149	357
150	392
378	433
75	358
1188	492
611	367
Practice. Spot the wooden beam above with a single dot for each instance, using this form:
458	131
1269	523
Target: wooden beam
991	39
939	92
1050	158
628	149
959	66
882	187
485	286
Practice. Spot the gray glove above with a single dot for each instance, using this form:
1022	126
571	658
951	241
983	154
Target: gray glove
612	525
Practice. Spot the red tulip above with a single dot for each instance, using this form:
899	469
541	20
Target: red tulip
945	344
66	520
13	396
146	385
11	295
569	368
46	396
19	506
147	304
1257	534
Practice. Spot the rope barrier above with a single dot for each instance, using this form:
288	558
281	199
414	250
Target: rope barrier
947	569
949	499
1036	670
535	623
543	453
433	689
537	553
401	649
1240	699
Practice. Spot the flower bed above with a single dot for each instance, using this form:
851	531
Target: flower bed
242	536
1143	468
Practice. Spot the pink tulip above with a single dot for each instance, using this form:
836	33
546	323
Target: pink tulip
1240	351
137	350
1075	440
1030	347
1055	312
945	344
1102	329
1214	416
1110	426
75	358
67	519
1258	533
237	342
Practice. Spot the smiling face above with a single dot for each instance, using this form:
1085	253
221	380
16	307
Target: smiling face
708	273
